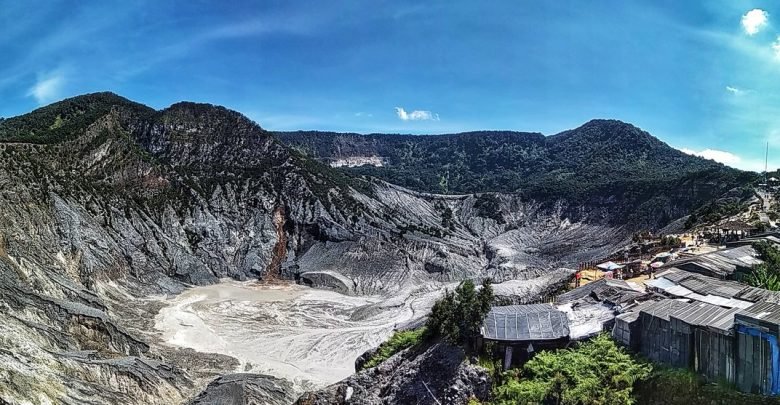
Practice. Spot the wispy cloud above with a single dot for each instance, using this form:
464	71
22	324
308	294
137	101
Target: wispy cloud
361	114
734	90
48	87
754	20
721	156
416	115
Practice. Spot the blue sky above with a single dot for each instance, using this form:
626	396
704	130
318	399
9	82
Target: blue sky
702	77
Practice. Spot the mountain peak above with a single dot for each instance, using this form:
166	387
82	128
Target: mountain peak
64	119
609	131
192	111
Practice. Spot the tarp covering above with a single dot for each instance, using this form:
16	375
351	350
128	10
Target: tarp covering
518	323
609	266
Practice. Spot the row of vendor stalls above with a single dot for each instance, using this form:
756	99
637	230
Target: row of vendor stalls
630	269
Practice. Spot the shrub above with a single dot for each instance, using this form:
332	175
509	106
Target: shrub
766	275
596	372
399	341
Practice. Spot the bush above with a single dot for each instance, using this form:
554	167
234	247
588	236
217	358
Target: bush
670	386
399	341
596	372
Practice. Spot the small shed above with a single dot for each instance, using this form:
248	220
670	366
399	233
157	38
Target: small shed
627	329
684	324
714	355
758	355
656	334
529	327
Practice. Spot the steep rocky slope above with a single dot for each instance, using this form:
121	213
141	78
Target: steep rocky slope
107	205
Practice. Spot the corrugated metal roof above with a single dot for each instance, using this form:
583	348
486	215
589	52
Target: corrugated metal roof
726	321
522	309
698	287
674	274
633	313
754	294
665	308
764	311
525	323
719	263
678	291
703	314
604	288
708	285
660	283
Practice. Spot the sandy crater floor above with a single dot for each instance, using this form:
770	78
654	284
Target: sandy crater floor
308	336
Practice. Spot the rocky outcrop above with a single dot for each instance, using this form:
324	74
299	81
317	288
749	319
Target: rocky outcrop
435	374
245	389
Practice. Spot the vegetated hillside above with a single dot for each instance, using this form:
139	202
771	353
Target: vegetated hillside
106	202
604	164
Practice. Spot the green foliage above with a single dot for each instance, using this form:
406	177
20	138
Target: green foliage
457	317
761	276
489	362
671	386
670	241
595	372
767	274
399	341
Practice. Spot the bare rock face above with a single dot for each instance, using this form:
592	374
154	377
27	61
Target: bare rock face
436	374
245	389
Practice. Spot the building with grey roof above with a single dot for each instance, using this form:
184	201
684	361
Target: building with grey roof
757	332
722	264
679	283
525	323
526	327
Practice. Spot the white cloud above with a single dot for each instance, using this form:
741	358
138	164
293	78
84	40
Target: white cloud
416	115
47	88
776	47
754	20
727	158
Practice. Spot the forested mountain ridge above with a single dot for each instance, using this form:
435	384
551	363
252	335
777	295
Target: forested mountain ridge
603	164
